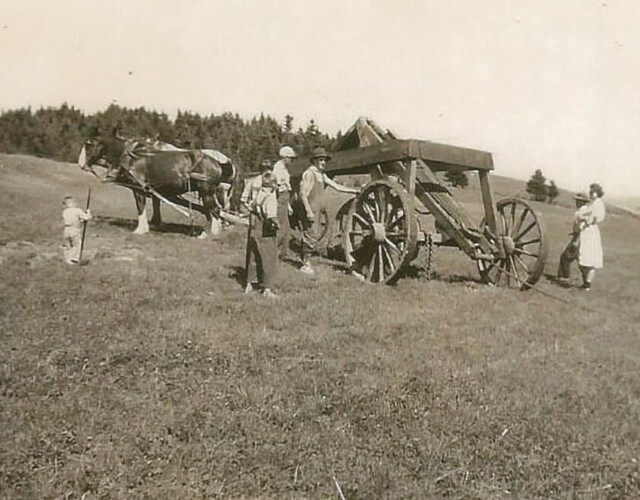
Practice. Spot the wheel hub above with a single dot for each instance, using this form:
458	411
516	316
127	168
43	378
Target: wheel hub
379	234
508	244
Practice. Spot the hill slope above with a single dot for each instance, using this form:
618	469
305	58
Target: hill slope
149	374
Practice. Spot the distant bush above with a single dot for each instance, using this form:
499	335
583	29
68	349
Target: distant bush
457	178
536	186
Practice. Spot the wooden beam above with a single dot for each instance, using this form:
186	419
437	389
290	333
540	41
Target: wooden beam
487	201
358	160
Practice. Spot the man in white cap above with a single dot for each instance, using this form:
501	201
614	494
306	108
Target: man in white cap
310	202
281	173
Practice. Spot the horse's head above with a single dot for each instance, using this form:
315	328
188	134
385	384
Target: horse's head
104	152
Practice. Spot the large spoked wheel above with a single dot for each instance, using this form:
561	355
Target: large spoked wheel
380	232
521	239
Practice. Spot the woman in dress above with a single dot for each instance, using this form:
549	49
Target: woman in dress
590	257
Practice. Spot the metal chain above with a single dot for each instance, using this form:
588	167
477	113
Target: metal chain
429	256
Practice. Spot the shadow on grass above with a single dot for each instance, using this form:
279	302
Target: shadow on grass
412	272
168	227
239	275
553	279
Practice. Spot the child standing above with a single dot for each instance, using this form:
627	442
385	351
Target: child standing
261	243
73	218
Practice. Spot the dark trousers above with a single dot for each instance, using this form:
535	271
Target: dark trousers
569	254
309	238
261	258
283	222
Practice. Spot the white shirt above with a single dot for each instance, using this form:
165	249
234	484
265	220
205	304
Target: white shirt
251	187
281	172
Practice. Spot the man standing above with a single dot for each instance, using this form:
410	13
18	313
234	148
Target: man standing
261	242
310	201
252	187
281	173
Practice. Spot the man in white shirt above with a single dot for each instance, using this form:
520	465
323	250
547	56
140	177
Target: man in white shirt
281	173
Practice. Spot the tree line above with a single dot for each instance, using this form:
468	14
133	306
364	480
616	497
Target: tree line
59	132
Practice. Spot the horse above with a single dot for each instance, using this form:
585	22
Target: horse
160	170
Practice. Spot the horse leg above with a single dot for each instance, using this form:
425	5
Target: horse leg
156	218
209	205
141	205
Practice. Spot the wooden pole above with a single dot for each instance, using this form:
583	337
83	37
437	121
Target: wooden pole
84	229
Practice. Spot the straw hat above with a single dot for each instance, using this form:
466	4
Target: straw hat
320	153
581	197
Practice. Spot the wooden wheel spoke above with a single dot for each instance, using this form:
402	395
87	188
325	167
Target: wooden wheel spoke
372	201
525	252
523	216
528	228
382	202
513	215
380	265
392	266
359	232
392	245
522	263
395	234
514	270
505	225
521	244
395	222
367	209
362	220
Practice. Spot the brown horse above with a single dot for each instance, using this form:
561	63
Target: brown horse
160	170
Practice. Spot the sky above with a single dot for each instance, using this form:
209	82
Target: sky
553	85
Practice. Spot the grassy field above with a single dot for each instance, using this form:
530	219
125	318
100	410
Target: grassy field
149	374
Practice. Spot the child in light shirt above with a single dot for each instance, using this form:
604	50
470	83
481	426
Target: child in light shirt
73	218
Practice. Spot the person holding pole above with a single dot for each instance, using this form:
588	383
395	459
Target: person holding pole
261	242
73	234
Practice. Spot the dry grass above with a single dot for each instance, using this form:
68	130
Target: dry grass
148	374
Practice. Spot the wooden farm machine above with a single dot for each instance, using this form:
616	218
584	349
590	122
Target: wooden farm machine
381	227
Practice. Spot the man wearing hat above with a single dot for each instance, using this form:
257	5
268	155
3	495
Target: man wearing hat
262	256
572	250
281	172
310	200
253	183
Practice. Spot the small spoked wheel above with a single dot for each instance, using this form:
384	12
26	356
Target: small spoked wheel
522	246
380	232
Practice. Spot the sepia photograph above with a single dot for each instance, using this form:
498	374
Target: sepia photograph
348	249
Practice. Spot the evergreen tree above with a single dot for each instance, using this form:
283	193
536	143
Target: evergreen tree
536	186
